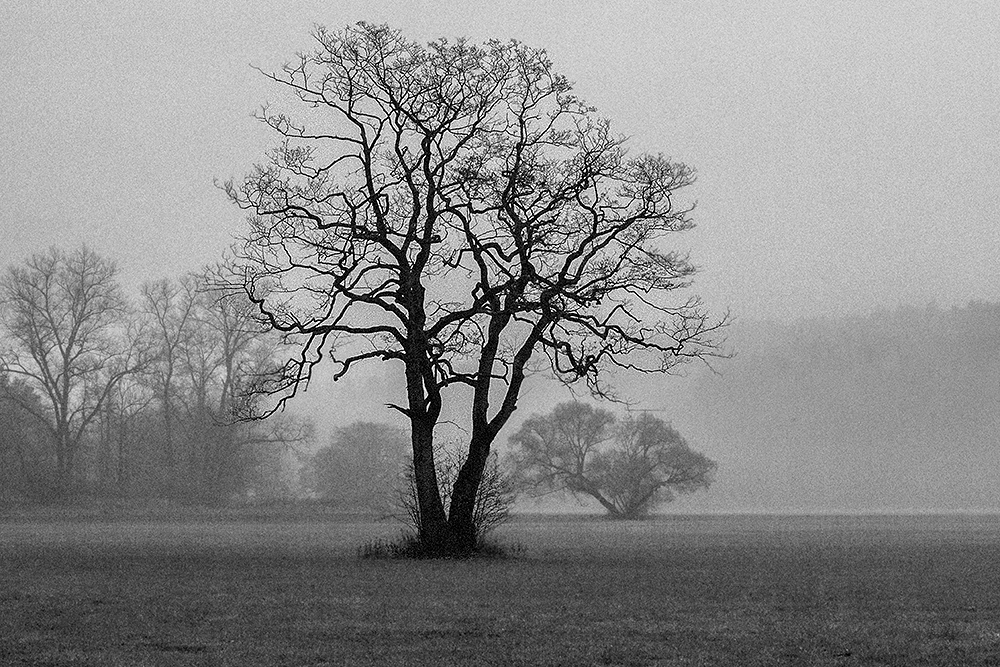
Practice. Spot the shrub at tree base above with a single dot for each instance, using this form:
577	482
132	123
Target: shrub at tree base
494	499
410	546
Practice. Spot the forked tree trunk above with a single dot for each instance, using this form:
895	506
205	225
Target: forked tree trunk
462	513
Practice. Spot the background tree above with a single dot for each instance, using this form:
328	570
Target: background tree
360	467
211	349
134	403
119	433
64	314
629	467
169	305
26	452
454	208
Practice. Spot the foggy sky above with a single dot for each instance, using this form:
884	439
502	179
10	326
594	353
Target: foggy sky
847	152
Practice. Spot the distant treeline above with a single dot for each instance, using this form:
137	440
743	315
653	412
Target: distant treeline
890	411
110	396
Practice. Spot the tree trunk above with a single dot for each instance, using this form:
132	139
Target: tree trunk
28	480
584	485
106	433
462	517
121	480
423	408
62	462
169	457
434	531
484	430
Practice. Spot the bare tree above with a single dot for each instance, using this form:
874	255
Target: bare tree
210	348
553	448
454	208
240	351
63	313
120	422
628	468
169	307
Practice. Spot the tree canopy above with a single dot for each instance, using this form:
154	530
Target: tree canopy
454	208
629	467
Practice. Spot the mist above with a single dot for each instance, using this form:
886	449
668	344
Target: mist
895	411
499	332
845	153
846	178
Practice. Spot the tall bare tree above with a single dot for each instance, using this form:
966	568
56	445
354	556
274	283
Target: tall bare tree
240	351
120	433
169	307
64	313
454	208
210	347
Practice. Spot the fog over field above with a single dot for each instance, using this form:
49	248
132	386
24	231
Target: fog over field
847	207
895	411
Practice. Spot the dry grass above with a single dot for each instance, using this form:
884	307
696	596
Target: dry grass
680	591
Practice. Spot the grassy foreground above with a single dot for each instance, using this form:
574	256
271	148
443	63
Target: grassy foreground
672	591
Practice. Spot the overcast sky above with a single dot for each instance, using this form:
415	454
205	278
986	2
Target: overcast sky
847	152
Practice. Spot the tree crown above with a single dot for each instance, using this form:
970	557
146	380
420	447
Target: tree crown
628	466
458	199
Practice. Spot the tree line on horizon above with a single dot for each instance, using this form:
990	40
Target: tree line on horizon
109	396
147	408
102	396
889	411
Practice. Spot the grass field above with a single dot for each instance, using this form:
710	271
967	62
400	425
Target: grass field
738	590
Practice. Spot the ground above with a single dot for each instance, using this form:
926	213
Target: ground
685	590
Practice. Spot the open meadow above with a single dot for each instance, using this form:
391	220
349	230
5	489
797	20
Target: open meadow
679	590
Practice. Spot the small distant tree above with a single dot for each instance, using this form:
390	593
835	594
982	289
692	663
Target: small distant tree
359	468
171	308
629	467
120	437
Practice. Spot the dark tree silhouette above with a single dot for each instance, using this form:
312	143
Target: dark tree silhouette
454	208
629	467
